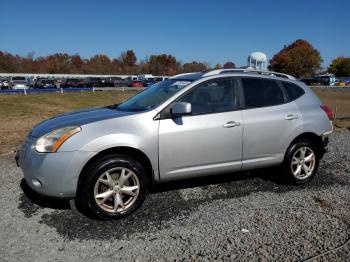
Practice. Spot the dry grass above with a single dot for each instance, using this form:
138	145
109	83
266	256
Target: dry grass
19	113
339	102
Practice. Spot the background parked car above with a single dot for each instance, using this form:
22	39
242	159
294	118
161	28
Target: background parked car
108	81
160	78
73	82
4	83
19	82
148	82
45	83
136	83
122	82
93	82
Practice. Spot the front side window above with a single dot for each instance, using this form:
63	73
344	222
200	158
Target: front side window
213	96
261	92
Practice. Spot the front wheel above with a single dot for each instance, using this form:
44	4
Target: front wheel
301	162
114	187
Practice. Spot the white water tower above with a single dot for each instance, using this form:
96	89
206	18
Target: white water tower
257	60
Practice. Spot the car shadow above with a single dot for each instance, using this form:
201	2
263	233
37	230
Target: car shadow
40	200
170	203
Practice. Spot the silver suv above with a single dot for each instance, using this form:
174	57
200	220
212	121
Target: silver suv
188	126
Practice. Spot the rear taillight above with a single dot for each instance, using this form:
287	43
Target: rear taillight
328	111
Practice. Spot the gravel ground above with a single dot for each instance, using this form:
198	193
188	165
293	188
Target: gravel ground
251	216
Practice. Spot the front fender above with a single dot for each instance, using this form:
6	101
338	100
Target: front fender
113	140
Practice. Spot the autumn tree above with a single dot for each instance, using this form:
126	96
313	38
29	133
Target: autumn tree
128	62
229	65
143	67
194	66
300	59
340	66
77	64
163	65
117	67
58	63
9	63
99	64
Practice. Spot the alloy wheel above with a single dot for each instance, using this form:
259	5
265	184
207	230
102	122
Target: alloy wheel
303	162
116	190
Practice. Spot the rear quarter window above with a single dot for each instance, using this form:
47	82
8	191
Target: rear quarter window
293	91
261	92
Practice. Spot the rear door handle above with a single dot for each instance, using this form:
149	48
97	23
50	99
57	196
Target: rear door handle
231	124
291	117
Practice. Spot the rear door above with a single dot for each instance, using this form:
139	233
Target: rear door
270	122
207	142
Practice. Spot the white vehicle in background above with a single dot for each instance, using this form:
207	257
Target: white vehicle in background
146	79
19	82
160	78
4	83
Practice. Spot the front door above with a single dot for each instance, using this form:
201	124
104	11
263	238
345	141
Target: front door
207	142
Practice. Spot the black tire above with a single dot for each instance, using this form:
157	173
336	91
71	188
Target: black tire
290	177
85	198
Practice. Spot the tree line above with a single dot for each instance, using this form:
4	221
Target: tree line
126	63
299	59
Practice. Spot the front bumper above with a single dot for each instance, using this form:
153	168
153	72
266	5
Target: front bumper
51	174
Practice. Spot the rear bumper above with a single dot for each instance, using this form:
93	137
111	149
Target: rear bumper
325	139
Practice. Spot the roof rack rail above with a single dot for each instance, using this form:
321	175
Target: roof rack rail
184	74
247	70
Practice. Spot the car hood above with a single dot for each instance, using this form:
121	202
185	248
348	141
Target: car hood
76	118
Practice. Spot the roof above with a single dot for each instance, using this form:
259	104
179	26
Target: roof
189	76
198	75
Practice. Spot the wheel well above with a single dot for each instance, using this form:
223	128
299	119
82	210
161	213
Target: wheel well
126	151
316	139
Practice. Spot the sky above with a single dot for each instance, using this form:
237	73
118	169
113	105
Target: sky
211	31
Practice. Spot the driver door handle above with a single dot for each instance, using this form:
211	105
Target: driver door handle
291	117
231	124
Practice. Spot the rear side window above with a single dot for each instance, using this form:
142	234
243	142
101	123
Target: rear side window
261	92
293	91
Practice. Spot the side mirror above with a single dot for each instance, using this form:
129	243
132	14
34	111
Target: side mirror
180	109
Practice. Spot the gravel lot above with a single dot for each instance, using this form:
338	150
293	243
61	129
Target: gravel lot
251	216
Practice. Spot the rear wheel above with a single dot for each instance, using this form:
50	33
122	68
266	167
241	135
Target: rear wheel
113	188
301	162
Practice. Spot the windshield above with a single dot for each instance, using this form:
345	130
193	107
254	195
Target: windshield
18	78
154	95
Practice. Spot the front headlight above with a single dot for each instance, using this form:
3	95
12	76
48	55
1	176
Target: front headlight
52	141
